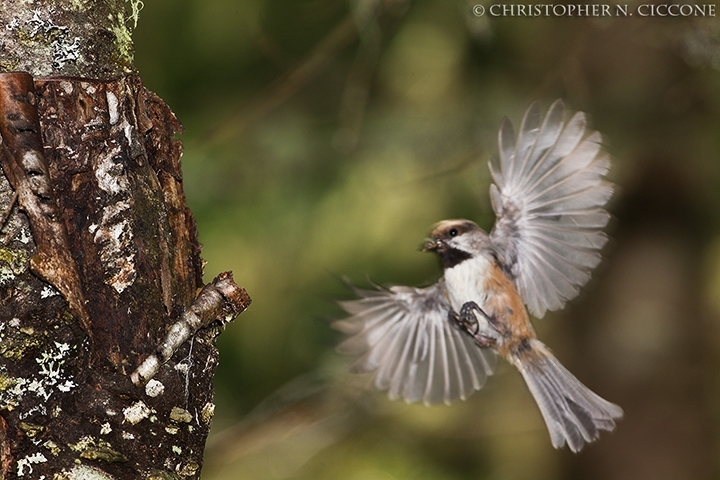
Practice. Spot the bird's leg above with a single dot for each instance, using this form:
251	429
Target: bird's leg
467	321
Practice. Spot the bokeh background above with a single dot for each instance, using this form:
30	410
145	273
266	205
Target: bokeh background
324	137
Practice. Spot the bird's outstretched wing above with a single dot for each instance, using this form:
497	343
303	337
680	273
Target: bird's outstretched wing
549	197
403	335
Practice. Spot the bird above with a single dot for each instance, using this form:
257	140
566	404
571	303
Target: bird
439	343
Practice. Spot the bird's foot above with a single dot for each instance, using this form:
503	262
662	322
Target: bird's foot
467	321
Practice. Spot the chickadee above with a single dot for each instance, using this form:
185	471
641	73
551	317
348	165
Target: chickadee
438	344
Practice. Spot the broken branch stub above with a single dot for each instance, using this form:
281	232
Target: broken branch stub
220	300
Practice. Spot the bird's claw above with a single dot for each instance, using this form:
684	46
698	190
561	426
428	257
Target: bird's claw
467	321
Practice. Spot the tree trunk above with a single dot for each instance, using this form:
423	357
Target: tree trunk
107	350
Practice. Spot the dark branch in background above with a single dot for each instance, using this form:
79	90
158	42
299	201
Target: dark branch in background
367	25
357	86
285	88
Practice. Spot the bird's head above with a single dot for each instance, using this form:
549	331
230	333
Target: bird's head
456	241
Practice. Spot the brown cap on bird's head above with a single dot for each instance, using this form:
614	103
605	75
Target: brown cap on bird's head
445	230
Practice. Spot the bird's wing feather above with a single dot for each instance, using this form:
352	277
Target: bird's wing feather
549	197
403	336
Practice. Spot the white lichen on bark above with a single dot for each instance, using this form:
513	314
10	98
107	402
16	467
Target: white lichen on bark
68	37
114	234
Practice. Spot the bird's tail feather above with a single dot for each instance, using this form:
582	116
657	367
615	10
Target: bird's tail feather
574	414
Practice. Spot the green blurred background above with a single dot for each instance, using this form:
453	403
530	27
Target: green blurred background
323	139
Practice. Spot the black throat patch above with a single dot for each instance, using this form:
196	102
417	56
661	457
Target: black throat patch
452	256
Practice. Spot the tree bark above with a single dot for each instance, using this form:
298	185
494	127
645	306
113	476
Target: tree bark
107	341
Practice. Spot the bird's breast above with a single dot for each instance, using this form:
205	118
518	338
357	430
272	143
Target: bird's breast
465	282
482	281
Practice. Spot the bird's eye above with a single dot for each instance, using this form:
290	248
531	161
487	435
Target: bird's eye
453	232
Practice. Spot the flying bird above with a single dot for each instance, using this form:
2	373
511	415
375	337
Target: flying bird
438	344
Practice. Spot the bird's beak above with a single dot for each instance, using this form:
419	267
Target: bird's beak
431	245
